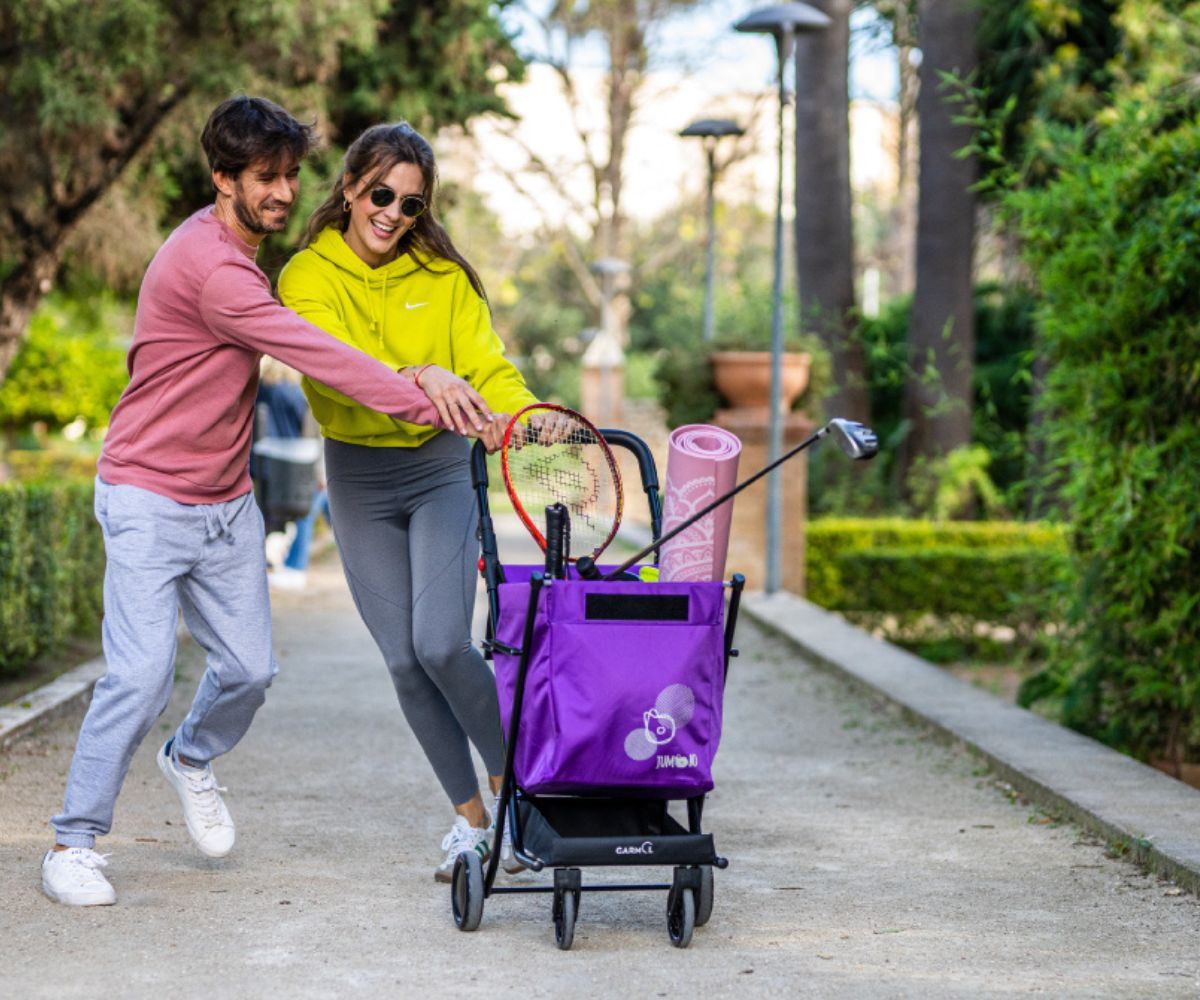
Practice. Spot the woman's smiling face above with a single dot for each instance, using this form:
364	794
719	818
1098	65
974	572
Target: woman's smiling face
374	232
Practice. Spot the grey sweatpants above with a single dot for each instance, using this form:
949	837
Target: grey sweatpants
405	520
163	556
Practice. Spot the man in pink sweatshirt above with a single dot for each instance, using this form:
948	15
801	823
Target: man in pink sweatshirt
181	529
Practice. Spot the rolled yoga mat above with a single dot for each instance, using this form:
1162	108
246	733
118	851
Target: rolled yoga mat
702	464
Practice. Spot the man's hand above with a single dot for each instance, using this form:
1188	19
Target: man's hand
492	434
460	406
551	427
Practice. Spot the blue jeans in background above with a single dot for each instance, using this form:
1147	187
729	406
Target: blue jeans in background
297	557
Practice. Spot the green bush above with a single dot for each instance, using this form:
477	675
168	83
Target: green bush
70	365
1114	245
51	568
966	567
986	584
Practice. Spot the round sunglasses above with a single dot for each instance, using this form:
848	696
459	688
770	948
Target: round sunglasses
411	205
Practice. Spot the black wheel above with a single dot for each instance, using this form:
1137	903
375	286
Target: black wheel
466	891
704	898
566	908
681	916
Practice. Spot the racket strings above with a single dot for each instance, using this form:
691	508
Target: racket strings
571	466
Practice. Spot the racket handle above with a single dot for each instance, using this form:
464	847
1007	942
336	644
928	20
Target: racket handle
585	566
556	518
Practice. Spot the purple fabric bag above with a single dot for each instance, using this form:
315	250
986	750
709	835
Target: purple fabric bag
624	688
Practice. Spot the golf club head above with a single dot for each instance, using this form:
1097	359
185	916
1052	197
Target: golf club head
855	439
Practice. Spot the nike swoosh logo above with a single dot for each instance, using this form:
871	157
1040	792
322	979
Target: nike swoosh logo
414	305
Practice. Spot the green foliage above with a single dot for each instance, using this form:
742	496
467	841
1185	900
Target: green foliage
955	484
987	584
1114	244
105	102
432	64
1040	63
51	568
939	567
70	366
990	473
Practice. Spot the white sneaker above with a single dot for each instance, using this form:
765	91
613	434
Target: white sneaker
462	837
277	544
286	578
73	877
508	860
208	821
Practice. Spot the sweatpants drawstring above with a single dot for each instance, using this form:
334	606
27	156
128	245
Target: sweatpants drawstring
216	523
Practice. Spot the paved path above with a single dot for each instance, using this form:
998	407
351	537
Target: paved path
866	860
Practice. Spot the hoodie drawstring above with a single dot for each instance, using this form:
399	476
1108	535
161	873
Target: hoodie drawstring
377	326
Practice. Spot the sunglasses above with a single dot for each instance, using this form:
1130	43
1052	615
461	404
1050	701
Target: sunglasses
411	205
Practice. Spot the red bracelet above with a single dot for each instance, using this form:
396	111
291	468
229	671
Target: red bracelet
420	372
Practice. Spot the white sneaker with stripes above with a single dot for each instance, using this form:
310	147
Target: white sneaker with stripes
462	837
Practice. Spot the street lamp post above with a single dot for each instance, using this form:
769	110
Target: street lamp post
711	130
783	22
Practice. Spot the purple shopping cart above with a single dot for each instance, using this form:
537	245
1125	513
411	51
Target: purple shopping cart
611	703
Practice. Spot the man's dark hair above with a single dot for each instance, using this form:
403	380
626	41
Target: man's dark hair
245	130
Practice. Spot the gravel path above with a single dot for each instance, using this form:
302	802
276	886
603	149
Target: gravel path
866	860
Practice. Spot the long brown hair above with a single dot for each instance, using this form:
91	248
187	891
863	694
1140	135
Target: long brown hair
371	156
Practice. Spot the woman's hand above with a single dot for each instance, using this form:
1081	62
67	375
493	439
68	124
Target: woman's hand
461	407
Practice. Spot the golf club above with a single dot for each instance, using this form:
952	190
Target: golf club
856	440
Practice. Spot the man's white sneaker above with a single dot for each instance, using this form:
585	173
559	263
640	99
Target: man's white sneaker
286	578
73	877
208	821
508	860
462	837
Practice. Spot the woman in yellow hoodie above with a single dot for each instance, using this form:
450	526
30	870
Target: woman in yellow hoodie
379	272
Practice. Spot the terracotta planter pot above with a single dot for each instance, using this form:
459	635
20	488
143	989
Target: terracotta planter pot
744	378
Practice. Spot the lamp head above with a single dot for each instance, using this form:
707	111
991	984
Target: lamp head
784	19
712	128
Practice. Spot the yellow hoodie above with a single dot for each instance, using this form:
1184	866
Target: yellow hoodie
402	315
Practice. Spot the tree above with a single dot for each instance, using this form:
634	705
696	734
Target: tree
625	29
941	341
89	85
432	64
824	235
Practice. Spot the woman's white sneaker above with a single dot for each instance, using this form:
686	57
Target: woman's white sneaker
462	837
508	860
73	877
208	821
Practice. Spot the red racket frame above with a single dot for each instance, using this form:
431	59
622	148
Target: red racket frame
605	450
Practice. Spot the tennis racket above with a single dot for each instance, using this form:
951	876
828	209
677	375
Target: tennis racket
552	454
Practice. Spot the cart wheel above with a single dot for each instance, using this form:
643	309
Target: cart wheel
466	891
566	908
704	898
681	916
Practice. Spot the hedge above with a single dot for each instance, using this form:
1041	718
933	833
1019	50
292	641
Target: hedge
51	568
984	570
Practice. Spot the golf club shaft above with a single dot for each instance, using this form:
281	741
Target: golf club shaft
632	560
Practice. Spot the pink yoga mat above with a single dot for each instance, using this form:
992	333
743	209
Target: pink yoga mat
702	464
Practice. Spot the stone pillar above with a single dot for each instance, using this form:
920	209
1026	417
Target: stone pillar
602	381
748	537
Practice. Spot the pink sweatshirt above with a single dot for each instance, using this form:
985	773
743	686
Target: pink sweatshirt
205	316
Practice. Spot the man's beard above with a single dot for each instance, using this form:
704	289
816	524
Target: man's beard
255	224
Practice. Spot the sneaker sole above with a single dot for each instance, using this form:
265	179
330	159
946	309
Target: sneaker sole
206	851
71	899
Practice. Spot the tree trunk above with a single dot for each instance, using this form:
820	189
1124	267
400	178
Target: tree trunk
20	293
941	336
824	236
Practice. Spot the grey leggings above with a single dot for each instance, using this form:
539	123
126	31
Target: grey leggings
404	519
